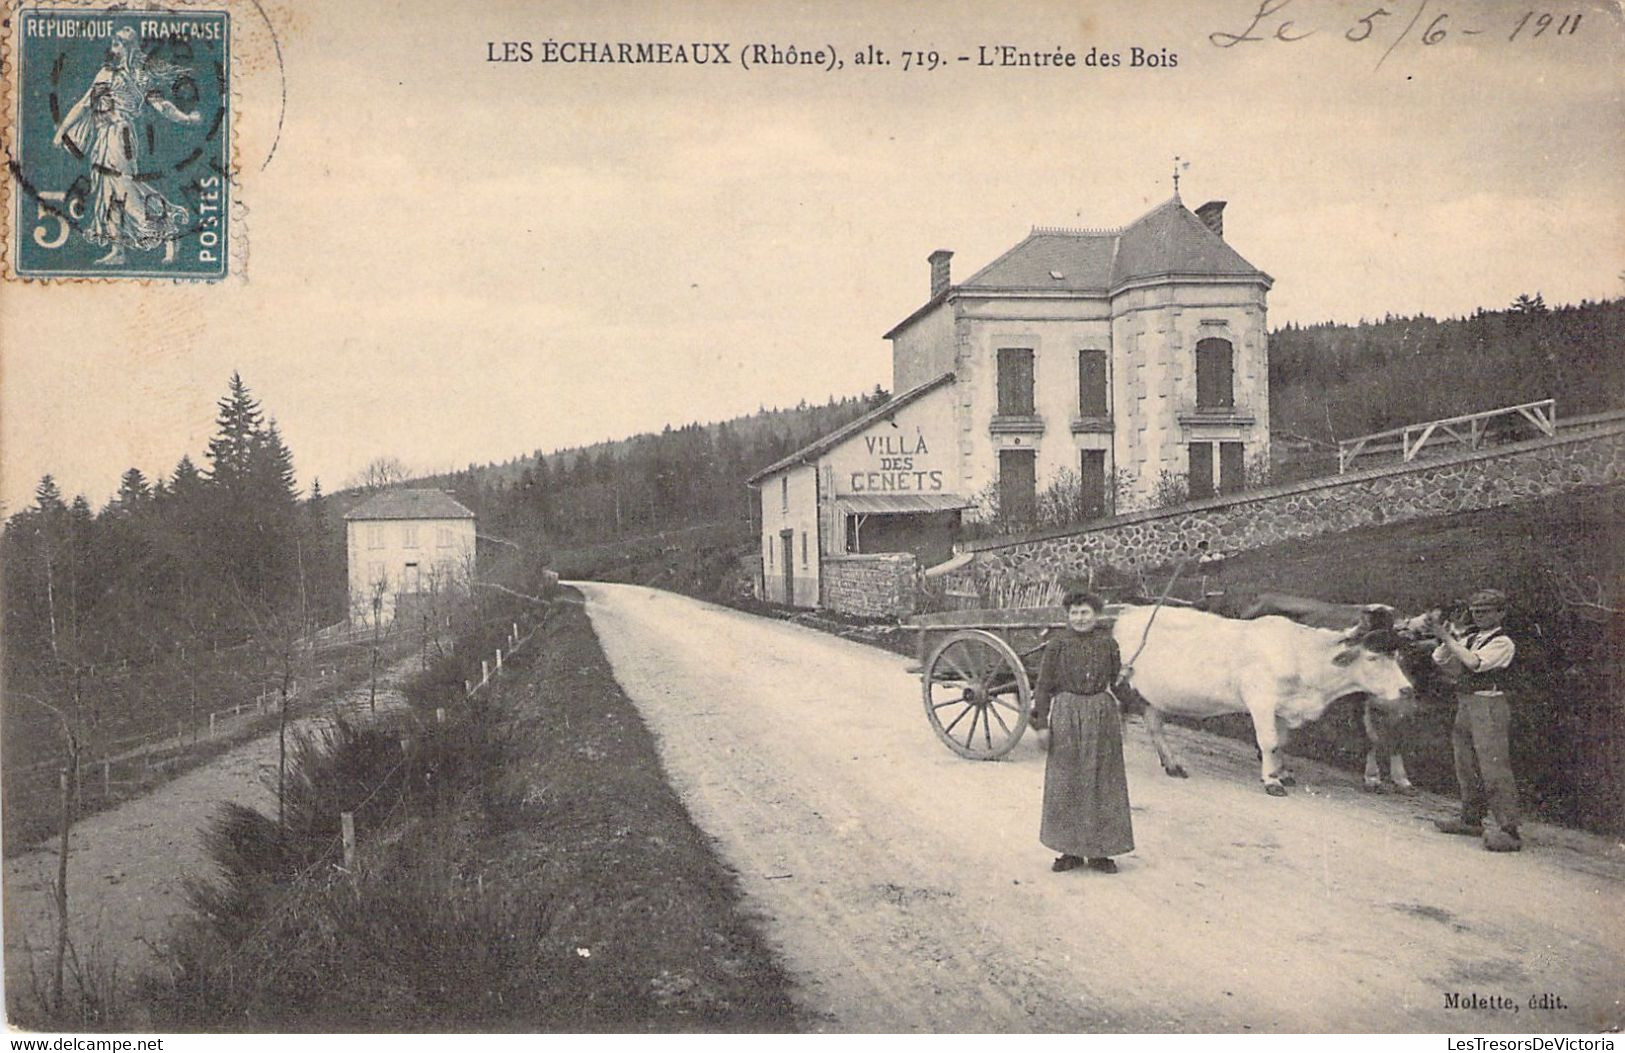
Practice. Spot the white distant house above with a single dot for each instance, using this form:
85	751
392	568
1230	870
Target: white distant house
404	545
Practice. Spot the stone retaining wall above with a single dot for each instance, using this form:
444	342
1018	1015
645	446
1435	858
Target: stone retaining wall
1481	479
877	586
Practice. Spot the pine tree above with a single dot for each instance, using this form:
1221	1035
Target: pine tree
232	450
133	492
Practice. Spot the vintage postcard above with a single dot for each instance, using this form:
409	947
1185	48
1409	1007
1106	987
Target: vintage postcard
1062	516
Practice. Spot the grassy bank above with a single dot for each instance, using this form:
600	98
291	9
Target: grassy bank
521	866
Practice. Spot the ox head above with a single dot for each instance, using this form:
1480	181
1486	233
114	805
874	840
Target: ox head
1371	663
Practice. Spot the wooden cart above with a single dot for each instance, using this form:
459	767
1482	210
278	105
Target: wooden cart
977	670
977	673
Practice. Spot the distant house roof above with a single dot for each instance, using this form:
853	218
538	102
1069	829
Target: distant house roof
846	431
1167	242
410	504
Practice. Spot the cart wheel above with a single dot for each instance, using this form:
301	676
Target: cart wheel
974	682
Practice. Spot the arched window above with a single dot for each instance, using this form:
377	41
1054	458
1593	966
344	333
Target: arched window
1215	374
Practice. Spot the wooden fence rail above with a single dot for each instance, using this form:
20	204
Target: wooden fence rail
1469	430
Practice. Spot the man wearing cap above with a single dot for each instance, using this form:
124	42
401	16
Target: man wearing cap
1483	764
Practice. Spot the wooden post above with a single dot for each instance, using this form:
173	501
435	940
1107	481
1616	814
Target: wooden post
485	672
439	716
468	689
347	821
211	725
107	778
499	659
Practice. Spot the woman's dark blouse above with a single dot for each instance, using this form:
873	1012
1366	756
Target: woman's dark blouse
1078	663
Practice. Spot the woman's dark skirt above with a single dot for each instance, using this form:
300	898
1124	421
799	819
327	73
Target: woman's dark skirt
1085	789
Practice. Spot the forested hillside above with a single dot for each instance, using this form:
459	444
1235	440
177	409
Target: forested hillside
1333	381
644	485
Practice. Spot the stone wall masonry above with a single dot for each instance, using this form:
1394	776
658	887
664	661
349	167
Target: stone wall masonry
1479	479
875	586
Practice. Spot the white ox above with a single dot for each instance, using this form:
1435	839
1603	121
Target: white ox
1282	674
1385	733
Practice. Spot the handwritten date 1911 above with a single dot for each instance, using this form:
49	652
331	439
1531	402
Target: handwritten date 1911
1271	22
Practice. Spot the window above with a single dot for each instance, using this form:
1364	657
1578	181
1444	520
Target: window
409	535
1232	467
1015	382
1018	497
784	493
1092	496
375	535
767	543
803	548
409	580
1215	383
1201	474
442	537
375	575
1093	396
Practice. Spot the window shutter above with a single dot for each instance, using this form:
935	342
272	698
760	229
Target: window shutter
1015	382
1093	473
1215	380
1232	467
1018	496
1201	473
1092	391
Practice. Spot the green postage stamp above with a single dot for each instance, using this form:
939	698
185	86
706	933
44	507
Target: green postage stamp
119	143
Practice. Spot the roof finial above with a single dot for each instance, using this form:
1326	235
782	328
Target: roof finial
1179	166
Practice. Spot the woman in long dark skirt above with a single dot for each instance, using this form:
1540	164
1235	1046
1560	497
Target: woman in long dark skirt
1086	816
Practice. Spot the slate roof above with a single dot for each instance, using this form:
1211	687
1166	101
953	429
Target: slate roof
1168	241
846	431
410	504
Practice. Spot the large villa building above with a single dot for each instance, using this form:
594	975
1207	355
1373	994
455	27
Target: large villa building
1121	363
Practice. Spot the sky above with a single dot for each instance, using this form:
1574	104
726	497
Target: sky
450	260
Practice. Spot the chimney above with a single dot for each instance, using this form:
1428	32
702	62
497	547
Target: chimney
939	271
1212	215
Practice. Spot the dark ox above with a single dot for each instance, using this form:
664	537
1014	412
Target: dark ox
1385	732
1282	674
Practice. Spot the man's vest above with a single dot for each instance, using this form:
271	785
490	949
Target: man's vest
1474	681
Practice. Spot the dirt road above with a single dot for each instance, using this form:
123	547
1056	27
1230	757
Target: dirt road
907	890
128	865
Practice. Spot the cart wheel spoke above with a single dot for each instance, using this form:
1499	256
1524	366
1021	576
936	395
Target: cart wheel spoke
994	711
958	664
969	708
971	734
